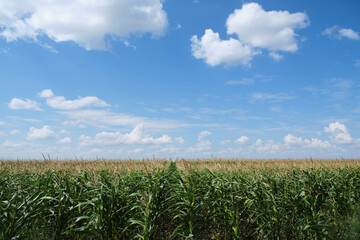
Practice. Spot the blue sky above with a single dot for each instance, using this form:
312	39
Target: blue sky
192	79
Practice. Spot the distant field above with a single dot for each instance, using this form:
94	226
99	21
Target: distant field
183	199
118	166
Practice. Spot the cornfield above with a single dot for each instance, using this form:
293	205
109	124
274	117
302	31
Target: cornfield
180	200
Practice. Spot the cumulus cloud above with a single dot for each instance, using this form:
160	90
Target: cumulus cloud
136	136
339	133
273	30
216	51
46	93
203	144
87	23
41	133
337	32
242	140
28	104
316	143
255	29
269	146
292	140
60	102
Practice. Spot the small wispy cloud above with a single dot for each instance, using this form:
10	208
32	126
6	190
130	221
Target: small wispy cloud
276	56
98	118
357	63
272	97
15	132
337	32
336	88
65	140
244	81
3	50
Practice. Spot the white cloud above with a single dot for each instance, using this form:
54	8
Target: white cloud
15	132
216	51
203	134
225	142
255	28
337	32
349	33
101	117
203	144
316	143
88	23
292	140
135	151
244	81
357	63
136	136
258	142
96	150
242	140
3	134
336	88
28	104
274	97
76	123
46	93
2	123
40	133
59	102
10	144
269	147
339	132
3	50
273	30
64	131
179	140
65	140
276	56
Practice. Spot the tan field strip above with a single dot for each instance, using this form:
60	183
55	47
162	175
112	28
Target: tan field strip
118	166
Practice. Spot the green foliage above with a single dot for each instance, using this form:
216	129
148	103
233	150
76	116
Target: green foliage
172	204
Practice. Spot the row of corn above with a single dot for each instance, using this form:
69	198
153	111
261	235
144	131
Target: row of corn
171	204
